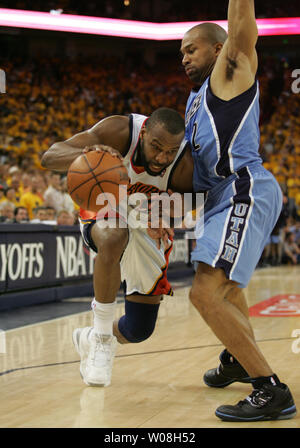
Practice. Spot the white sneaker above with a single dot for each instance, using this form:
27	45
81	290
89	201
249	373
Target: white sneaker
81	342
100	359
97	353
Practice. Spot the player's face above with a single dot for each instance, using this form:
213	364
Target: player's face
198	56
158	148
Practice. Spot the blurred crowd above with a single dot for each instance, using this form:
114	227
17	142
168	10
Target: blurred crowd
152	10
280	150
35	197
50	101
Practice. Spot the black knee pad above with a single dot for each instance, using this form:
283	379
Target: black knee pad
139	321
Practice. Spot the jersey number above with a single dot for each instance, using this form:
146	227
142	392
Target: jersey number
195	126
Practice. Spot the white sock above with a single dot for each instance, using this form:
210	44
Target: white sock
104	314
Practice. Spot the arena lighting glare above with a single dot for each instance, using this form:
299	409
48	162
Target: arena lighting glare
128	28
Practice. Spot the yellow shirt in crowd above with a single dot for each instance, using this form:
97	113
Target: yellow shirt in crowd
31	201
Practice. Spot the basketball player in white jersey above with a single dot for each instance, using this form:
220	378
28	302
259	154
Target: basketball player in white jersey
153	151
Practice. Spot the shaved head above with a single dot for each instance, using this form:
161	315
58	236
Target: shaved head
200	48
211	32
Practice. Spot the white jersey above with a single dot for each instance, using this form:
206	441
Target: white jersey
143	264
135	174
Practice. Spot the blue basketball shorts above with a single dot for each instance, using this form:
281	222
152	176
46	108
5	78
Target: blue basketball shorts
239	216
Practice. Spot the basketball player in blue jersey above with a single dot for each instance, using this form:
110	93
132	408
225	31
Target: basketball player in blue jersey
156	158
242	205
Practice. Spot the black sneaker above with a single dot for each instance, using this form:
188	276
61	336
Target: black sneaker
228	372
266	403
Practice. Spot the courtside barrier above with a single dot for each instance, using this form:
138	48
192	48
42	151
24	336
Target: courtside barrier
43	263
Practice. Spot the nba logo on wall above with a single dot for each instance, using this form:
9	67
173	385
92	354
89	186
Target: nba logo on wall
278	306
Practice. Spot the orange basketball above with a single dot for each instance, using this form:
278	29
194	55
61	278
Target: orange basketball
95	173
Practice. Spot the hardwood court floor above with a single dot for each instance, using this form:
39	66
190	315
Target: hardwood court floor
155	384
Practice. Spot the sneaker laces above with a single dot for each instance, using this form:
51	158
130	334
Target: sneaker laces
100	347
258	398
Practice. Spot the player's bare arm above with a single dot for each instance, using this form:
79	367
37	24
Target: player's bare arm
236	66
180	182
112	131
182	178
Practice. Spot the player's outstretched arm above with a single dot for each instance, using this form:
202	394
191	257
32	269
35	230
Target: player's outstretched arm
112	131
242	29
236	66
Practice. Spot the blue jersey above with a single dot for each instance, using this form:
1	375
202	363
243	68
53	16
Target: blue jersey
224	135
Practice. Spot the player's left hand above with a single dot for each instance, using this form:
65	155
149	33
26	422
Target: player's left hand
103	148
159	225
161	235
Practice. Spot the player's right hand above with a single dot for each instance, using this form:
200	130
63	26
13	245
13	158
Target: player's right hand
161	235
103	148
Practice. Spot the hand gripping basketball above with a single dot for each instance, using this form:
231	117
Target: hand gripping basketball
103	148
97	178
